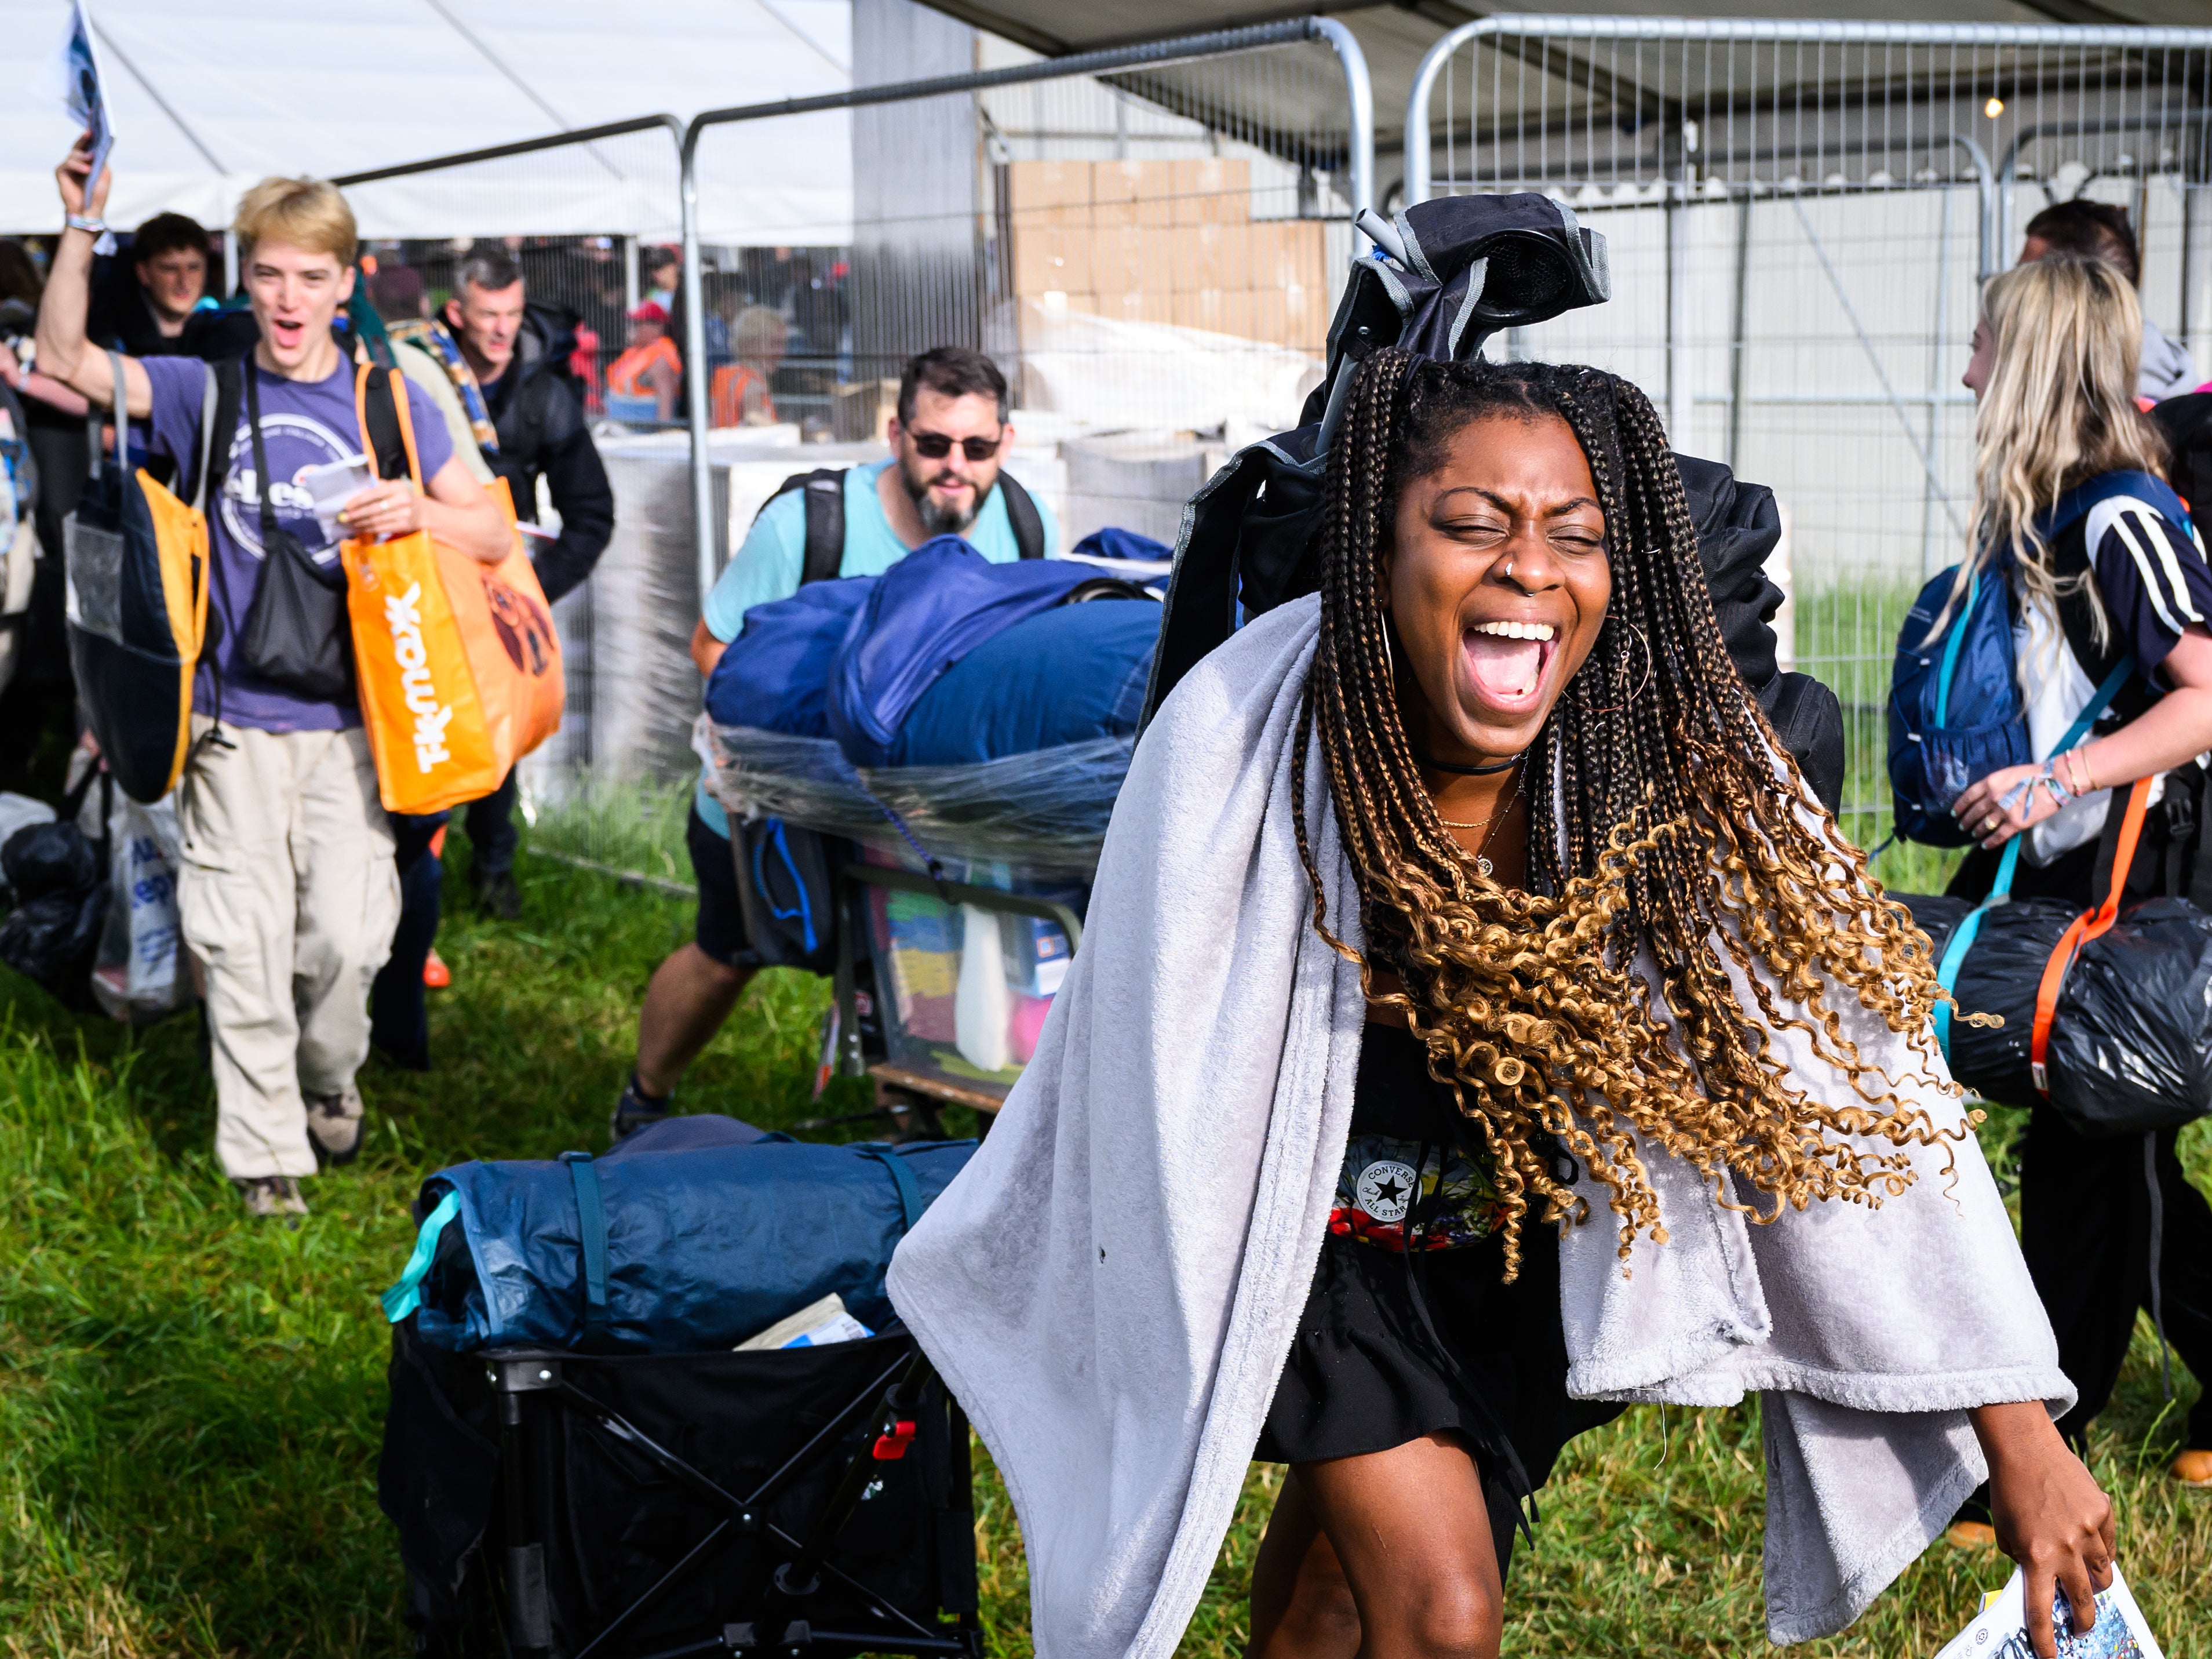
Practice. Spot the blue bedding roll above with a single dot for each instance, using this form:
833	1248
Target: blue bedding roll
1067	675
691	1249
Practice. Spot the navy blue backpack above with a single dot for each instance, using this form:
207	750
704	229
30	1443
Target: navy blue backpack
1955	712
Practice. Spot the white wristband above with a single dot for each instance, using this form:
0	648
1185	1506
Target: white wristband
95	226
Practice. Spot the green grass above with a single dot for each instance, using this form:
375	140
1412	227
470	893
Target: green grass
191	1404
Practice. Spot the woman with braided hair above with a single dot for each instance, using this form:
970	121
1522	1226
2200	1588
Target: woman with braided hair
1478	1025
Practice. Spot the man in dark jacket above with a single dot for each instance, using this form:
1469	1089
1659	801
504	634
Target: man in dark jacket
145	306
509	360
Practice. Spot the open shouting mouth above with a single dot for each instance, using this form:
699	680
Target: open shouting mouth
1507	661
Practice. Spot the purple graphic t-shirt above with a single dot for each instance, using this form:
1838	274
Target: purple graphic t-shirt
304	423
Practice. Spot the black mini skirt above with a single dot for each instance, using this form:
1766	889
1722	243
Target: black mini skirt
1395	1344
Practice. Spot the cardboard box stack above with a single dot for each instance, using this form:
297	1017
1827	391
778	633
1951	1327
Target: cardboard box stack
1169	242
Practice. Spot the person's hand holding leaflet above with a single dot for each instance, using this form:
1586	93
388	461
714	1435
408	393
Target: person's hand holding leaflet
394	508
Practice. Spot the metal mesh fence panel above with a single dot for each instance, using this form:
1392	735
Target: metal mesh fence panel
592	220
1150	255
1799	216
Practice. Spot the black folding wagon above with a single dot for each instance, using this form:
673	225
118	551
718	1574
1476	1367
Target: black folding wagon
796	1502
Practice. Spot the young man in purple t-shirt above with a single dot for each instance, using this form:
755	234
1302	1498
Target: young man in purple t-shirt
287	888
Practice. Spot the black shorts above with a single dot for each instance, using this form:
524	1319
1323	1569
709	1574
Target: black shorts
721	928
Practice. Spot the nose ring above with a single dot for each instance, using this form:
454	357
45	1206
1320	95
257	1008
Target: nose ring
1509	569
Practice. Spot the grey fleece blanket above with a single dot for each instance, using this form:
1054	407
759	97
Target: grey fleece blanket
1110	1287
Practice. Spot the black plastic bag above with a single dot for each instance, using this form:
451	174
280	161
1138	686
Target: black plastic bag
52	937
2130	1045
2132	1042
2002	969
40	860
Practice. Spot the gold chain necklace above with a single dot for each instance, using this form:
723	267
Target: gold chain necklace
1481	862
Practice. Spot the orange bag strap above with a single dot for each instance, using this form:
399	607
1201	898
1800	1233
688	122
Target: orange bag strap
396	389
2090	925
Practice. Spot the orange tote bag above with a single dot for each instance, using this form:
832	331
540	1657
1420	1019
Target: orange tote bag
428	730
513	651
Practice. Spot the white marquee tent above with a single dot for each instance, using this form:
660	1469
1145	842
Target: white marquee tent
207	99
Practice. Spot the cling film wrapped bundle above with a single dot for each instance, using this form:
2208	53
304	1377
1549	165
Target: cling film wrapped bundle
965	986
457	663
1042	814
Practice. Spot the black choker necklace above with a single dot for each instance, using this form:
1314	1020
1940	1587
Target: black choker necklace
1436	765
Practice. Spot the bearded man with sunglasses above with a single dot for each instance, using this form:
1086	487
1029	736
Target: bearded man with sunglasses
948	442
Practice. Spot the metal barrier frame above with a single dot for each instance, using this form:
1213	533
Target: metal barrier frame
669	123
1995	185
1360	108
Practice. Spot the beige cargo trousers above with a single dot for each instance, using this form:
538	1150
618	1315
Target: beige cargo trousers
288	897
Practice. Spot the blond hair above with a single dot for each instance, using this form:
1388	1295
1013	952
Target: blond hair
758	331
2059	407
305	213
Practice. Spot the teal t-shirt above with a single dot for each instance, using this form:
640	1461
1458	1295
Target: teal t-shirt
768	566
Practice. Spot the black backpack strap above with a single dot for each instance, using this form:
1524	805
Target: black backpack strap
249	374
387	450
1022	512
825	498
2199	891
229	396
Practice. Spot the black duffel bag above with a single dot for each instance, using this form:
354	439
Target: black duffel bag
2130	1044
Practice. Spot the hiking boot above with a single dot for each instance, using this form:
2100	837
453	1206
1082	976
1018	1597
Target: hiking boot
270	1196
498	896
634	1111
334	1125
2193	1469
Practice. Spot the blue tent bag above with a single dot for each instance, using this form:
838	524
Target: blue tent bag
662	1252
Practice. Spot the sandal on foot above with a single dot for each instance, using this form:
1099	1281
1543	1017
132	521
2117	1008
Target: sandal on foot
634	1111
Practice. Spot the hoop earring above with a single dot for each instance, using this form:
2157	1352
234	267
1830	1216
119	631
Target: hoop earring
1389	658
1620	708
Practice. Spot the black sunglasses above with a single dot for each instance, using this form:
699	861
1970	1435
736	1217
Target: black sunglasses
935	446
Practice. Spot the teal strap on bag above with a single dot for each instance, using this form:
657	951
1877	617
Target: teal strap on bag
902	1177
405	1297
592	1234
1954	958
1951	650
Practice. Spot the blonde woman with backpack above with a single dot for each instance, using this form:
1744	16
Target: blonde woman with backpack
2053	372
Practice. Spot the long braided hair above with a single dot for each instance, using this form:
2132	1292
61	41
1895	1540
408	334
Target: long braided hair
1686	845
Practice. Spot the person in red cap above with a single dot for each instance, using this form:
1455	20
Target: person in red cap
642	382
